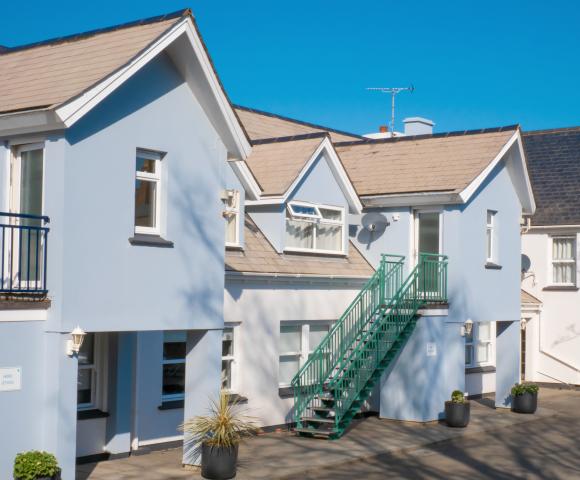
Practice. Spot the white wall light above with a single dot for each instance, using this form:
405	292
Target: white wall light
467	327
74	345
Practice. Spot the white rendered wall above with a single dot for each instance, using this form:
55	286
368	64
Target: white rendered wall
552	334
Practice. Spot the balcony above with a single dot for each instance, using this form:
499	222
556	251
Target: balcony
23	245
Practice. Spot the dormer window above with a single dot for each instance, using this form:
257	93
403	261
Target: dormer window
314	228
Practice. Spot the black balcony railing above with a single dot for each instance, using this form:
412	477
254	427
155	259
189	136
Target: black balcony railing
23	246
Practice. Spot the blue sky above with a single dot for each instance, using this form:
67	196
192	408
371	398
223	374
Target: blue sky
473	64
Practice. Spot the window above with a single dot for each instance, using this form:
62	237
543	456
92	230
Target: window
478	345
297	342
229	351
490	236
564	260
87	374
174	347
147	192
232	215
314	227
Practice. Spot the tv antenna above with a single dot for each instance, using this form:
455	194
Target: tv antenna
393	91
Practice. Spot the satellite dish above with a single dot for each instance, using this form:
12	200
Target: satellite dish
375	223
526	263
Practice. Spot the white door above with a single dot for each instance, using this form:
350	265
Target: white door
427	232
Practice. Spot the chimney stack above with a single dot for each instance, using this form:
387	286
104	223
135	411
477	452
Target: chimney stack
383	129
418	126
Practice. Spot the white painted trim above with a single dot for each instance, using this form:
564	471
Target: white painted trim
242	171
155	441
468	192
433	312
73	110
32	121
555	227
35	315
285	278
337	170
411	199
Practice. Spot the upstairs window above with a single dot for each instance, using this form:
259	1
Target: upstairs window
317	228
231	200
148	192
564	260
490	236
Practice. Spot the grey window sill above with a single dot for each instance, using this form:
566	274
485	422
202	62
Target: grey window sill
560	288
285	392
486	369
177	404
492	266
150	241
235	248
91	414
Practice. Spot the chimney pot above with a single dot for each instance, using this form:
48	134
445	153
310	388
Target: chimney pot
383	129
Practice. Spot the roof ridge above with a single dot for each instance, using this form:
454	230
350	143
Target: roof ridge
290	138
552	130
90	33
300	122
457	133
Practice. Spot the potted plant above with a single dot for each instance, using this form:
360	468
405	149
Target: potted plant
525	397
220	434
35	465
457	410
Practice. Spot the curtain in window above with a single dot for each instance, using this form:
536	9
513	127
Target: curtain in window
299	234
563	258
329	237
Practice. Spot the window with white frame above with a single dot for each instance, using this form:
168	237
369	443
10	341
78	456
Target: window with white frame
317	228
174	349
490	236
229	351
91	376
297	342
479	345
564	260
148	191
231	201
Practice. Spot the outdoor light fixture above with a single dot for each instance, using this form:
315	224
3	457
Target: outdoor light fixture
74	345
467	328
523	324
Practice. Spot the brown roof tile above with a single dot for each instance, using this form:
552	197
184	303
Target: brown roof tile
52	72
276	164
259	256
435	163
260	125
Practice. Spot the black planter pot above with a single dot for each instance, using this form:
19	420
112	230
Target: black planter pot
218	463
457	414
56	476
525	403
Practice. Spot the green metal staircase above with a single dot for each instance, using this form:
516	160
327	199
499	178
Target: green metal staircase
340	374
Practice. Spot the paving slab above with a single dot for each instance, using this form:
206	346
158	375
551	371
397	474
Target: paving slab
284	455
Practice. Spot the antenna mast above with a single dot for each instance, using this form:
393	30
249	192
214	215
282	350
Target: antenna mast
393	91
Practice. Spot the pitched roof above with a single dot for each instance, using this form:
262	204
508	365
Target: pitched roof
260	125
259	256
48	73
277	162
529	298
443	162
554	166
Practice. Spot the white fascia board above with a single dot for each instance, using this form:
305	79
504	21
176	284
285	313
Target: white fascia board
32	121
72	111
529	209
554	227
467	193
411	199
345	280
242	171
337	170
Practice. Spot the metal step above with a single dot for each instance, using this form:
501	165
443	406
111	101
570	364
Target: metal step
323	409
317	420
315	433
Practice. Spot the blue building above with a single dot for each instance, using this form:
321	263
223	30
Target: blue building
192	246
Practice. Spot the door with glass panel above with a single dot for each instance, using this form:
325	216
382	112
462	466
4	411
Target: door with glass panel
25	239
428	240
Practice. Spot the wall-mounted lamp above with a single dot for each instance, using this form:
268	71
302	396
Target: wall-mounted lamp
467	328
523	324
74	345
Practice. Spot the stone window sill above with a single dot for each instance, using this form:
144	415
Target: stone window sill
485	369
177	404
560	288
140	239
492	266
91	414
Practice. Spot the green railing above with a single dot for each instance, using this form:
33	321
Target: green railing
310	379
356	351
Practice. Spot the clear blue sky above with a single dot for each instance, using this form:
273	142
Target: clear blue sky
473	64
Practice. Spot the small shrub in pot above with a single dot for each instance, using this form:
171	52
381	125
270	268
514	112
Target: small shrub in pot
220	434
457	410
525	397
35	465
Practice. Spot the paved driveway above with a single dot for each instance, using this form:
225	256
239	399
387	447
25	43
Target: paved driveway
497	444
